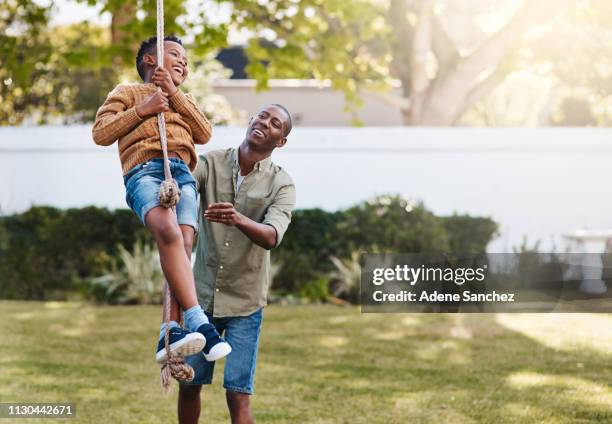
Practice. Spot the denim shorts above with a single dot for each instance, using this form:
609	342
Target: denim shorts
142	189
242	333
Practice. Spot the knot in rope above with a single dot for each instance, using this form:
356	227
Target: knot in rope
169	193
175	367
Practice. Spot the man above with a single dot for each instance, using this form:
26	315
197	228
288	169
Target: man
247	203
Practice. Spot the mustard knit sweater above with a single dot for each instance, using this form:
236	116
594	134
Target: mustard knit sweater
139	138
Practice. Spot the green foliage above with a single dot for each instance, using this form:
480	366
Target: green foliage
137	279
393	224
537	270
25	48
48	253
383	224
357	44
345	42
45	251
316	290
469	235
62	72
347	277
307	245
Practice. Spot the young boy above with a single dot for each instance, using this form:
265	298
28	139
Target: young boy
129	115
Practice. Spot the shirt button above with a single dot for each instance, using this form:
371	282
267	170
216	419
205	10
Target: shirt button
220	266
217	290
227	243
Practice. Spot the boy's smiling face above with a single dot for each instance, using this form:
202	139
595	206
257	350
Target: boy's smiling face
175	61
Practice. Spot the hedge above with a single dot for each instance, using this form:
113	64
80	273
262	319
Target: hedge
47	253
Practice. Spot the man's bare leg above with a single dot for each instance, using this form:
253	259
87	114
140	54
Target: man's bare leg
189	404
239	405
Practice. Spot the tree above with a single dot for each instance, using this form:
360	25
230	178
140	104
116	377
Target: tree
440	51
446	63
46	71
362	43
132	22
25	49
63	73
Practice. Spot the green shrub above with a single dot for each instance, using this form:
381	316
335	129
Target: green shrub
391	224
137	279
316	290
383	224
469	236
307	245
346	278
45	251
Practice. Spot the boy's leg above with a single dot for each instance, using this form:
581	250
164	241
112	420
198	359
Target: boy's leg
188	237
189	404
177	269
142	189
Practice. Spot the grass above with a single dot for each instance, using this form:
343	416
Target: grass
322	364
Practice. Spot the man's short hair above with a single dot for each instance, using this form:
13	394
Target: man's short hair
289	120
148	47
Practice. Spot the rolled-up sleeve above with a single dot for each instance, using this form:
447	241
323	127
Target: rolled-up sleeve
279	212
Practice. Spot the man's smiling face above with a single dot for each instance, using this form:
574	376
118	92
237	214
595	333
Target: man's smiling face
175	61
268	129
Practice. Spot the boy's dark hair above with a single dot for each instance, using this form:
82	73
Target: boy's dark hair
289	121
148	47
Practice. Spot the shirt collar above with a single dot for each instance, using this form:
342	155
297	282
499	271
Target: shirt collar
261	165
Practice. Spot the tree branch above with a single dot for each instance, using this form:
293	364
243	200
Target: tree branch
422	45
482	89
496	47
401	103
401	43
453	91
443	46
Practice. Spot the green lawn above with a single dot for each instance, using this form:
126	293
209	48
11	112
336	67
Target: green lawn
322	364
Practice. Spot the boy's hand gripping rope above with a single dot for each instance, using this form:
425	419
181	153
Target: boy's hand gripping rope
169	194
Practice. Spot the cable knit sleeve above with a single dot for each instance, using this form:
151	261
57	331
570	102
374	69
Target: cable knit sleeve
116	117
200	127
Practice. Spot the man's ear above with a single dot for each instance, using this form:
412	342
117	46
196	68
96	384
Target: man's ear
281	142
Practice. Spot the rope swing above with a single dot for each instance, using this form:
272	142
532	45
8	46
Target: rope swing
169	194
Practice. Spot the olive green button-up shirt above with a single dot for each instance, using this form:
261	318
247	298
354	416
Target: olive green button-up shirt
232	274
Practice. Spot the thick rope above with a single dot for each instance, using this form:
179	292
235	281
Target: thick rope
169	193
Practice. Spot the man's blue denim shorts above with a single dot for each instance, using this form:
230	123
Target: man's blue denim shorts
242	333
142	189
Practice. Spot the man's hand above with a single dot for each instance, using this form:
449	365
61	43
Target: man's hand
223	213
262	235
162	79
154	104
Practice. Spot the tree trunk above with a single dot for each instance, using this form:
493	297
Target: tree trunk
120	36
465	80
